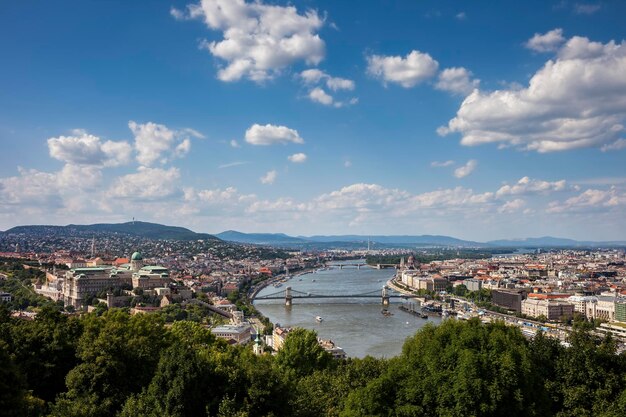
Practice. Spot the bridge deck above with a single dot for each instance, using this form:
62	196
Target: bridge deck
282	297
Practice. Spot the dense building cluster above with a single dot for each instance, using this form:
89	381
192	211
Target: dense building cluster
553	285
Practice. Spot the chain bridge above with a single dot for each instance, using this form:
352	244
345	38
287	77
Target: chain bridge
288	294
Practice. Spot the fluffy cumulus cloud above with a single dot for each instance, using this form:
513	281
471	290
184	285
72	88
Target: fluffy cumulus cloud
84	149
456	81
465	170
259	40
526	185
269	177
314	76
577	100
218	197
408	71
272	135
320	96
158	143
316	80
546	42
512	206
591	200
48	189
147	184
297	158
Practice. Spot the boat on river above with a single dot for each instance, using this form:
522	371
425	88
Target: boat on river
319	319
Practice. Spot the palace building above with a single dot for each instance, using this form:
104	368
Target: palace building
81	283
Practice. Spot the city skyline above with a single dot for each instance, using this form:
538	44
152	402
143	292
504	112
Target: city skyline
311	117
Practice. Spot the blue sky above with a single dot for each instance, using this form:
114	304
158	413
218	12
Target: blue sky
480	120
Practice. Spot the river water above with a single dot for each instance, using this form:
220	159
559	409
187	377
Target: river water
355	324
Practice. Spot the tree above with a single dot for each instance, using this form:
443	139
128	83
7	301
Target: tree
118	356
180	387
455	369
15	400
302	354
460	290
45	350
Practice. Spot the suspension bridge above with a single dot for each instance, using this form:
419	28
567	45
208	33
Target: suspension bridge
288	294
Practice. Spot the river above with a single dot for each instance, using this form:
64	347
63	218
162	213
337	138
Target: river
357	324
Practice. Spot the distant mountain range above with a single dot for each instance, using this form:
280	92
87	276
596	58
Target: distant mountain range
549	241
136	228
159	231
281	239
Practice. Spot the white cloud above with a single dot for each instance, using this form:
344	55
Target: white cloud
586	8
512	206
312	76
269	177
234	144
272	135
48	190
575	101
147	184
297	158
409	71
259	40
183	148
461	16
441	164
526	185
590	200
86	149
618	145
347	164
315	76
467	169
320	96
155	142
456	81
336	84
218	196
547	42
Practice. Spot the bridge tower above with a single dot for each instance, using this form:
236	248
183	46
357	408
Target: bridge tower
288	297
385	297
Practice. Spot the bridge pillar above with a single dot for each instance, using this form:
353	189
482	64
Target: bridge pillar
385	297
358	266
288	297
340	266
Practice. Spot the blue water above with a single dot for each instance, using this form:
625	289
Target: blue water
355	324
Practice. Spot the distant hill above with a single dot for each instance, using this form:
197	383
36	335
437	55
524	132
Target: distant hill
549	241
391	241
259	238
351	241
420	240
140	229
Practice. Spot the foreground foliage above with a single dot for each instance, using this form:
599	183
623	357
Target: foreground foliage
117	364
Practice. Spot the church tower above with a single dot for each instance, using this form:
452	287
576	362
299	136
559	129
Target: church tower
258	346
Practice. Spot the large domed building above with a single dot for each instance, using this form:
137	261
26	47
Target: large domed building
80	283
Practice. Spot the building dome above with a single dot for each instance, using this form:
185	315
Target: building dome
136	257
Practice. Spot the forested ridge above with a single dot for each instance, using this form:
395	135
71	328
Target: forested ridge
116	364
